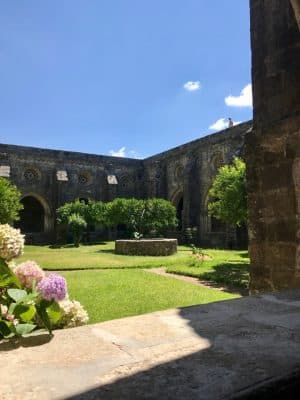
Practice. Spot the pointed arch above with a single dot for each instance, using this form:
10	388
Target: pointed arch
177	201
36	214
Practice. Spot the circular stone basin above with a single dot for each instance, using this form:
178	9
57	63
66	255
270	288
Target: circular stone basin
146	247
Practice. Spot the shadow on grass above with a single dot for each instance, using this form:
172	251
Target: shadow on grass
231	274
94	243
111	251
72	246
244	254
61	246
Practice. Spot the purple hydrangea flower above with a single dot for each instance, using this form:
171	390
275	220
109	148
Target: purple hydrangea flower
53	287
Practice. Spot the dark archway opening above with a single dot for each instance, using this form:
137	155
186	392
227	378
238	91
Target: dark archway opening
242	237
179	213
217	225
32	216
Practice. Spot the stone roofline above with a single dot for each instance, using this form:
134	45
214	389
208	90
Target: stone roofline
212	138
64	155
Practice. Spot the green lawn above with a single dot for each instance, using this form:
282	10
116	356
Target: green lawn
110	294
226	267
114	286
97	256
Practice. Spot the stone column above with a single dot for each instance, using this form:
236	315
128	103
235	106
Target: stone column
296	7
273	149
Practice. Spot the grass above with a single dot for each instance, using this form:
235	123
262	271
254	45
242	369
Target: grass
99	256
115	286
110	294
226	267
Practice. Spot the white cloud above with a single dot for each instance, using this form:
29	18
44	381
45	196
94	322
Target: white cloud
191	86
243	100
119	153
221	124
123	153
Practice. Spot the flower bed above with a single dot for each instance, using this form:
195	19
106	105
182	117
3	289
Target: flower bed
28	298
146	247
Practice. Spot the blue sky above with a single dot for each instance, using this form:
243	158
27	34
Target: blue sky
132	77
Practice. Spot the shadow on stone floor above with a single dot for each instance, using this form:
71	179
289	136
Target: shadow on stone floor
29	341
239	361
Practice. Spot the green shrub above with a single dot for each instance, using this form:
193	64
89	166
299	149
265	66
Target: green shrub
142	217
77	225
10	204
228	195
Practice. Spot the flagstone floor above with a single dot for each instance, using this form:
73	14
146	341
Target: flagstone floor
211	351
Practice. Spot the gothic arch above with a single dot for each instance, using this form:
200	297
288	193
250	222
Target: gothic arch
177	201
36	215
213	225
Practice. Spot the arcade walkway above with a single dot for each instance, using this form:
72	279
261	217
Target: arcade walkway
225	350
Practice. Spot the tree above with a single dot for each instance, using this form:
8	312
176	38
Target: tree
77	225
96	212
228	196
93	212
75	207
142	216
160	215
10	204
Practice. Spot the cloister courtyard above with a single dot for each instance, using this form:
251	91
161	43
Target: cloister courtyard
115	286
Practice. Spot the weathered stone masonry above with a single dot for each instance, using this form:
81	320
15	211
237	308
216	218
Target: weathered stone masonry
185	174
273	149
49	178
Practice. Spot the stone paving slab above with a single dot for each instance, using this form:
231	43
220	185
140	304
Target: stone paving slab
212	351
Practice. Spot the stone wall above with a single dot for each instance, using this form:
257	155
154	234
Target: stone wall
146	247
273	149
35	172
183	175
187	172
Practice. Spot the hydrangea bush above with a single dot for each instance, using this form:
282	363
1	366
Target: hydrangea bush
28	298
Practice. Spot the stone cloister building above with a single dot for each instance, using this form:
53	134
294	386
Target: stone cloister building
184	174
273	148
49	178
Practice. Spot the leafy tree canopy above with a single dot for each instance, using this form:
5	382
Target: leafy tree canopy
142	216
92	212
10	204
228	196
77	225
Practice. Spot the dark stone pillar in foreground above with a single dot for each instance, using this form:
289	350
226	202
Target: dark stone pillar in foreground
273	149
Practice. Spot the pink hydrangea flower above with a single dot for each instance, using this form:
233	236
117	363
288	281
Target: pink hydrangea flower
53	287
27	272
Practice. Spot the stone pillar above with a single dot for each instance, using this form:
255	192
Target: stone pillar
296	7
273	149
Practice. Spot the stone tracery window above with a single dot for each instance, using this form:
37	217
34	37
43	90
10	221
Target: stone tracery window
31	175
84	178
